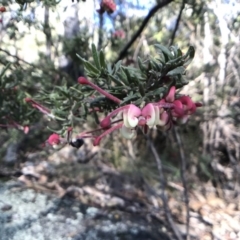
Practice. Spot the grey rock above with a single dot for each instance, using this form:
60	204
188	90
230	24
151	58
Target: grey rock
40	216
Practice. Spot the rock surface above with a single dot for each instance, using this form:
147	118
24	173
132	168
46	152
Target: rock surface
29	215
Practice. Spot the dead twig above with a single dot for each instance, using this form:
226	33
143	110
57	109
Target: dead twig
151	13
163	185
177	23
183	178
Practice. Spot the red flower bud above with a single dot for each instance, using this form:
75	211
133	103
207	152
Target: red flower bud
54	139
107	5
3	9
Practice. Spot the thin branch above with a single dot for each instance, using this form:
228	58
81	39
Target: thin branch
183	177
46	71
100	31
177	23
47	32
163	185
151	13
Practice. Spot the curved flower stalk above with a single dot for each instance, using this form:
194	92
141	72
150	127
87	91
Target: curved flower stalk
84	81
13	124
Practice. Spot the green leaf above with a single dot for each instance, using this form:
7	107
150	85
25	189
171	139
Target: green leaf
4	70
141	89
82	59
156	66
117	81
117	66
156	92
141	66
109	68
131	97
95	57
76	90
102	59
165	50
54	130
176	71
188	57
76	105
122	75
129	78
91	69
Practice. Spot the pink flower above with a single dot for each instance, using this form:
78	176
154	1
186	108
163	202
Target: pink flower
3	9
130	114
183	107
107	5
54	140
171	95
163	113
119	34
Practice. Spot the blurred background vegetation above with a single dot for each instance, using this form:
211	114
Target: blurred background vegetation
41	39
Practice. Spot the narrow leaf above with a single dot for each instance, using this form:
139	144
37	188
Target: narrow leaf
4	70
165	50
90	68
176	71
102	59
188	57
95	57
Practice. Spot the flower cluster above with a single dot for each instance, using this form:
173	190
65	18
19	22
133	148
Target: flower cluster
164	113
108	6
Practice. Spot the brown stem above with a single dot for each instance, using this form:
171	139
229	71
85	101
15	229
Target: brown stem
163	185
184	182
177	23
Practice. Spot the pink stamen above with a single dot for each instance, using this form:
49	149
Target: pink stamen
38	106
110	130
84	81
171	94
106	122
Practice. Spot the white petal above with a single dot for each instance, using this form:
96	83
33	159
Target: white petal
127	133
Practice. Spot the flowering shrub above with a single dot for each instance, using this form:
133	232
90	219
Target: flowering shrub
132	98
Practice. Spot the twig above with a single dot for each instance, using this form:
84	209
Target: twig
163	184
100	32
177	23
47	32
143	25
183	178
33	65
